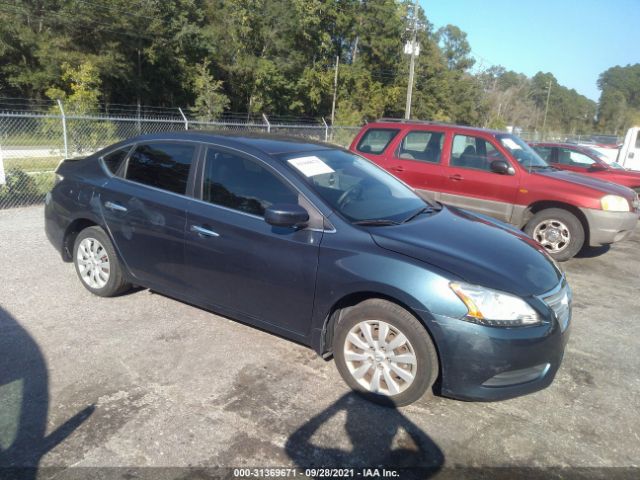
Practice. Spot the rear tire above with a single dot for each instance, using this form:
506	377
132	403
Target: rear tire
97	264
384	353
559	231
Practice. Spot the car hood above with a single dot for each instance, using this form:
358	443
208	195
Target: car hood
475	248
615	173
588	181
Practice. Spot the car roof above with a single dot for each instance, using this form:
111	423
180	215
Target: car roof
270	144
575	146
395	123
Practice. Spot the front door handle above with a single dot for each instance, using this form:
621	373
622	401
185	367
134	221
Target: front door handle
205	232
456	177
398	168
116	207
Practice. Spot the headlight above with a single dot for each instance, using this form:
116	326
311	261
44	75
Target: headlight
614	203
490	307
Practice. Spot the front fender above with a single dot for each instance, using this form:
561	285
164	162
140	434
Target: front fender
350	275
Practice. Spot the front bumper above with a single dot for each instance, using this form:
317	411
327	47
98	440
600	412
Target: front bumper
609	227
484	363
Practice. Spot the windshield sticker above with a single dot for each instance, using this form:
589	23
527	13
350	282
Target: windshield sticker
310	166
507	142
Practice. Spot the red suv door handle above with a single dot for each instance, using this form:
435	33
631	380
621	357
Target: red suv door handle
456	177
398	168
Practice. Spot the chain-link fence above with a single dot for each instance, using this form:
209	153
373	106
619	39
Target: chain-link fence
590	138
33	144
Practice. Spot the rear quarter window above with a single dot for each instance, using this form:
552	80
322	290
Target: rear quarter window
114	159
376	140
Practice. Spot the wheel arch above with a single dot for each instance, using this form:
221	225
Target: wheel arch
536	207
342	305
70	234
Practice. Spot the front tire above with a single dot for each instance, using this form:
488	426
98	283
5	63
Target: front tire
97	264
560	232
384	353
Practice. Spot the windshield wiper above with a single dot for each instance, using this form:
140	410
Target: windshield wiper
376	222
419	212
542	167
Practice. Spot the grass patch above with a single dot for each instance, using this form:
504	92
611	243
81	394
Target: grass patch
32	139
32	164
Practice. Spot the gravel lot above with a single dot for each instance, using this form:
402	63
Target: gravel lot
145	380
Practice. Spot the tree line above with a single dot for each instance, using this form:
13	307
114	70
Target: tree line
279	57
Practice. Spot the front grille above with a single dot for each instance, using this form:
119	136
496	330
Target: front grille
559	300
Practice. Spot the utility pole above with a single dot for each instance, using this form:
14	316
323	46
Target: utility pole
335	92
546	109
413	47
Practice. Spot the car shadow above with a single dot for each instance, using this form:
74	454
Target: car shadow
380	436
24	403
592	252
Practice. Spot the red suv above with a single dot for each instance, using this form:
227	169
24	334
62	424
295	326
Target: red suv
587	160
498	174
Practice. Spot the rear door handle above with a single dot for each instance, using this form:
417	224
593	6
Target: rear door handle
398	168
205	232
116	207
456	177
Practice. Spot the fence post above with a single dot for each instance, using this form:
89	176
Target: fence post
326	130
64	129
266	120
3	179
186	122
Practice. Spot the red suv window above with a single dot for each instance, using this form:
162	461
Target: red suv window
376	140
422	145
473	152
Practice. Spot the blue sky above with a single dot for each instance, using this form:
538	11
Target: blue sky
574	40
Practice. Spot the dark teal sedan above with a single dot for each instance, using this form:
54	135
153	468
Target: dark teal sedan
318	245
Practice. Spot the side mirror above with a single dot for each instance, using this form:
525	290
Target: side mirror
286	215
596	167
502	167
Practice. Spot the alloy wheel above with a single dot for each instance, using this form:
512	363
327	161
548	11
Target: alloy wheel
93	263
380	357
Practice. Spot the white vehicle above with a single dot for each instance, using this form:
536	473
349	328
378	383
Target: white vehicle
629	154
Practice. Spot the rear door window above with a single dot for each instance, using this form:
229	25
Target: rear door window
376	140
161	165
242	184
422	145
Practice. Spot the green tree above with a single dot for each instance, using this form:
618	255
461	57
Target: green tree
619	106
210	101
79	91
455	48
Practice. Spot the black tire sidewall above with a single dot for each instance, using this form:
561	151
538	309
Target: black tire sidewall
115	283
570	220
426	355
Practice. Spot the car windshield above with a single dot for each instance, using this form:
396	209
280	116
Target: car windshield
521	151
595	153
354	187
